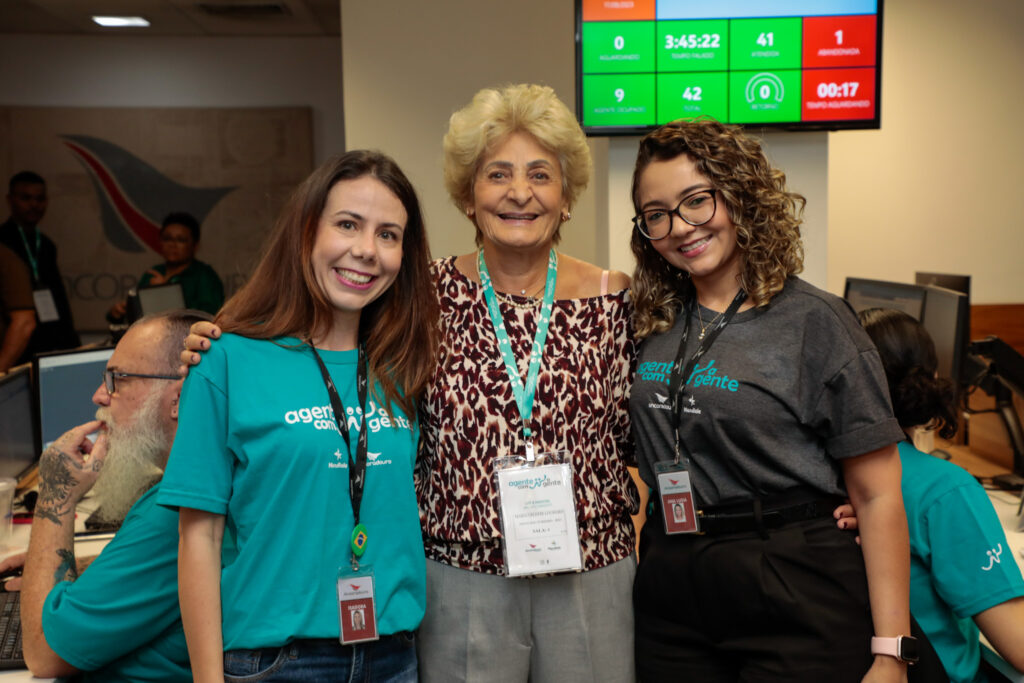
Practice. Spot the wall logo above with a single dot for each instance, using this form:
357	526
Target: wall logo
134	197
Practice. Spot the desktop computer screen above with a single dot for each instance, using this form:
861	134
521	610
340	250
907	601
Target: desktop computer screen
150	300
863	294
65	383
17	442
946	319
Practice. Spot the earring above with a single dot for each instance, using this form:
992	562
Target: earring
566	216
469	211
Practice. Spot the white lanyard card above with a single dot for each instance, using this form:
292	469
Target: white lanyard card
538	515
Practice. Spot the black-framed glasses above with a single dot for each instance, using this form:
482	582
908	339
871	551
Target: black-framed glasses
695	209
110	378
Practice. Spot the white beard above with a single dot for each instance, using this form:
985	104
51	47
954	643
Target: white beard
133	454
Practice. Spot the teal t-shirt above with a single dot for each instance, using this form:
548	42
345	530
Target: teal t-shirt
120	620
960	562
257	442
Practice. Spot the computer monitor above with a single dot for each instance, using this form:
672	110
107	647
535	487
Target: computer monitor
958	283
18	450
150	300
863	294
946	319
64	384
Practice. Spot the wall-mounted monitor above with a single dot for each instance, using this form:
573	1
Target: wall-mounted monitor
786	64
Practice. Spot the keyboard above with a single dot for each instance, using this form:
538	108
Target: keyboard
10	631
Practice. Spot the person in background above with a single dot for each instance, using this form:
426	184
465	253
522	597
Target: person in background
17	310
27	201
302	420
767	395
962	573
201	287
118	621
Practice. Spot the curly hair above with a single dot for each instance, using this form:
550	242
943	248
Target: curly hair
766	215
908	356
496	113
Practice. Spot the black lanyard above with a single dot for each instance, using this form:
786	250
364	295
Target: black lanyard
681	375
357	467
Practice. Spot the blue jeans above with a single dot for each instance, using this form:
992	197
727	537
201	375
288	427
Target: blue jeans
392	659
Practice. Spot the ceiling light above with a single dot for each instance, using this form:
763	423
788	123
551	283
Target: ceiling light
120	21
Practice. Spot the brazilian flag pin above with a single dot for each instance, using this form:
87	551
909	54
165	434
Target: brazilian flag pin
359	539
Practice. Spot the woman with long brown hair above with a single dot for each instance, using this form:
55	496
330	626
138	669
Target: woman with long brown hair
293	462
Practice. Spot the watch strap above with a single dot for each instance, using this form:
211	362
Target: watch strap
894	647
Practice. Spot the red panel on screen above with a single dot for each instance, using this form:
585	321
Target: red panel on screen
618	10
838	94
839	41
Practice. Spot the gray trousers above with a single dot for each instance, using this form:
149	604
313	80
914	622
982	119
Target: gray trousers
482	628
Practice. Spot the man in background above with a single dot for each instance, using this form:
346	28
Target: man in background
120	619
17	311
27	201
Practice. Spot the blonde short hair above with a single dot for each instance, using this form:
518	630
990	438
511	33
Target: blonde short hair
496	113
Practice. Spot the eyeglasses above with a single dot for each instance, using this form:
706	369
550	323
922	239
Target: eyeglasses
695	209
110	377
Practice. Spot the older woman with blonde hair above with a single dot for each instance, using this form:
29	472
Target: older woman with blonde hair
516	160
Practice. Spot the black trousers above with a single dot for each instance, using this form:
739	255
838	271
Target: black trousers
787	605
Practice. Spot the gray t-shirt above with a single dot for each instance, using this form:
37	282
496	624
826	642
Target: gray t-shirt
782	395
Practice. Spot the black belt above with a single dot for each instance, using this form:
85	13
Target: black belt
761	514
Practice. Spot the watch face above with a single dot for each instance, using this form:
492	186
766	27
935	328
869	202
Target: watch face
908	649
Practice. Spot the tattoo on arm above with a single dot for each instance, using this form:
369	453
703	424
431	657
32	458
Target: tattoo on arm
66	570
57	478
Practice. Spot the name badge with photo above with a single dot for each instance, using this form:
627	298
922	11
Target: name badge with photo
357	607
675	495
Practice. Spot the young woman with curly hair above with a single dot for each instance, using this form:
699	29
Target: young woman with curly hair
764	393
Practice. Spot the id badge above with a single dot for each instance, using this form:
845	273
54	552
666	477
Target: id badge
46	308
675	495
537	508
357	605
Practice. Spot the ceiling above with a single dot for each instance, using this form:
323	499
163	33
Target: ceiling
176	17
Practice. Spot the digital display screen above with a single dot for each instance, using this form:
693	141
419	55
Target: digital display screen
780	63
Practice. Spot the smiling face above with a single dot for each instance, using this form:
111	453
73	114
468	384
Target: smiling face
517	194
358	248
708	252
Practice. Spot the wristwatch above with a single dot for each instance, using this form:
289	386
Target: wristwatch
903	648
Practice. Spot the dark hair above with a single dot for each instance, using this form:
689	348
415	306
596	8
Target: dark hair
182	218
399	330
176	325
27	177
766	215
908	356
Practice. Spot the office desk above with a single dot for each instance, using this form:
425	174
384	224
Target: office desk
84	547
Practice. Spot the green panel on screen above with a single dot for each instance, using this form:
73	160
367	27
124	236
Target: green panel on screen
765	44
764	96
618	47
687	96
693	45
620	100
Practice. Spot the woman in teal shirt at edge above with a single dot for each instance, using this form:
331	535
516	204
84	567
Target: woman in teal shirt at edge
956	587
259	470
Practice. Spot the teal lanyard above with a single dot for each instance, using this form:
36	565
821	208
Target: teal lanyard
523	394
32	256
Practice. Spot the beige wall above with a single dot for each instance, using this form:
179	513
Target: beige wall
938	187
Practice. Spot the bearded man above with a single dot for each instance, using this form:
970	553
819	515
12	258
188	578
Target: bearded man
120	619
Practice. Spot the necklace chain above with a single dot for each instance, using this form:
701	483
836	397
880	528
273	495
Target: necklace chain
703	327
532	300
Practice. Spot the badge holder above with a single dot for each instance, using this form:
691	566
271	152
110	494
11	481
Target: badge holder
676	498
537	506
357	602
46	307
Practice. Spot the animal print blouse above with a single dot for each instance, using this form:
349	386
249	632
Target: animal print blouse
471	417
